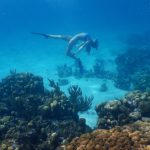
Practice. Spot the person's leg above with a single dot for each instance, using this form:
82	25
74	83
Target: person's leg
71	54
72	42
62	37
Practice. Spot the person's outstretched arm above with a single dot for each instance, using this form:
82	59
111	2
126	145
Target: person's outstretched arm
82	46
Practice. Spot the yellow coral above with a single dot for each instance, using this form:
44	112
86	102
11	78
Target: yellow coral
3	147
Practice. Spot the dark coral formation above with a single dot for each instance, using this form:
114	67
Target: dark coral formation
32	117
134	63
21	94
64	71
141	80
128	64
63	82
103	87
21	84
134	106
131	137
98	70
80	103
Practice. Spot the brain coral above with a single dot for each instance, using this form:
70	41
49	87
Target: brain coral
135	136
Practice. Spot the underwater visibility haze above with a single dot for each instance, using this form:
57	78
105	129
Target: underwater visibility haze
74	75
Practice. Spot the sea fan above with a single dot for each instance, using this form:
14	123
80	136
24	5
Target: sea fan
79	102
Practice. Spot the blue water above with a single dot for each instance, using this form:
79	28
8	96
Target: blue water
101	19
109	21
72	16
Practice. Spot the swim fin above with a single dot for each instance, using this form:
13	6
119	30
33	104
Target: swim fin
42	34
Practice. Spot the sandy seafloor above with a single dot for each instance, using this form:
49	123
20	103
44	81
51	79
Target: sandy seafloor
28	53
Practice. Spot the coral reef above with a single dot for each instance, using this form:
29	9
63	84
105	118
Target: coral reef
135	136
64	71
141	80
32	117
134	63
21	94
63	82
134	106
80	103
122	81
103	87
129	63
21	84
98	70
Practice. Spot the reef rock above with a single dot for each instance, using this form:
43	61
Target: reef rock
131	108
32	117
133	67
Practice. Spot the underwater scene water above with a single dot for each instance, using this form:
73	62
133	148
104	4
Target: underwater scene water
74	75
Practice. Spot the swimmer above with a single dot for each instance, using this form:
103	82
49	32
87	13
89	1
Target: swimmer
86	42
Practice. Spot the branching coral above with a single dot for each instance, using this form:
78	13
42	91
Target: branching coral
85	103
56	89
79	102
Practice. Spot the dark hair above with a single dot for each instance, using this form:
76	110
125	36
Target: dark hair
95	44
88	49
